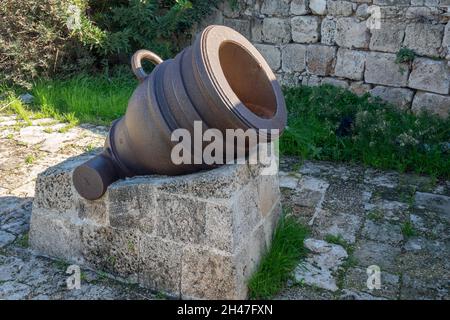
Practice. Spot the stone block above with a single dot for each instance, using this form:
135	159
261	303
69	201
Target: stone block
294	57
318	7
305	29
424	38
399	97
257	29
275	7
272	55
240	25
161	264
276	30
350	33
328	32
359	88
320	59
299	7
430	75
195	236
381	68
339	8
432	103
350	64
388	38
446	41
335	82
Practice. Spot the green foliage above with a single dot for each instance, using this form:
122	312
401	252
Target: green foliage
408	229
379	135
278	263
405	55
12	104
35	41
85	98
43	38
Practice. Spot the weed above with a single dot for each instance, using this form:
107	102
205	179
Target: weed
278	263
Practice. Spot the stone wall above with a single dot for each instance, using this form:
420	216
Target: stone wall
336	42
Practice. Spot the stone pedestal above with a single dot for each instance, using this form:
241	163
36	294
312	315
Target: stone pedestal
194	236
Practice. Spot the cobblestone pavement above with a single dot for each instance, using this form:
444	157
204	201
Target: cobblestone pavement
358	217
398	222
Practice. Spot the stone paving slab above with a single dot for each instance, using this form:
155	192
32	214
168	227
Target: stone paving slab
399	222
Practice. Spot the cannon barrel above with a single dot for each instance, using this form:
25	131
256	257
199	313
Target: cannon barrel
220	80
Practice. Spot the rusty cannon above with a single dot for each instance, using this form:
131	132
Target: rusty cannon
221	80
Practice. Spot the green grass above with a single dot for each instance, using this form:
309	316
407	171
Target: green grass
85	98
408	230
29	159
22	241
278	263
379	135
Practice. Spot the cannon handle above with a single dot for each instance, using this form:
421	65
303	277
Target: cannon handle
136	62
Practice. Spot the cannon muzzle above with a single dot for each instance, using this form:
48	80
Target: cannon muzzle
221	81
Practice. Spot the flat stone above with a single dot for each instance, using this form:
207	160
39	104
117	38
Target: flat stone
433	202
31	135
360	88
356	279
240	25
377	253
341	225
299	7
350	64
357	295
352	34
276	30
335	82
305	29
339	8
320	264
294	57
424	38
328	31
390	210
416	288
399	97
272	55
6	238
430	75
431	103
14	291
275	7
318	7
388	38
381	68
320	59
383	232
381	179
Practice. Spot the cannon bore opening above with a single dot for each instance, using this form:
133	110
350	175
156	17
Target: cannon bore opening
247	79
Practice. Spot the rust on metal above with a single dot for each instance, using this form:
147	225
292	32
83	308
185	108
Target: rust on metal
220	80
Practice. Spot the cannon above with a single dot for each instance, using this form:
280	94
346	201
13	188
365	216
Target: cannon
221	80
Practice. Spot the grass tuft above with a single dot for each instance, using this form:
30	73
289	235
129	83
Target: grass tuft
408	230
278	263
85	98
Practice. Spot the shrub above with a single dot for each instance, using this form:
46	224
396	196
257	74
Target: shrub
35	41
